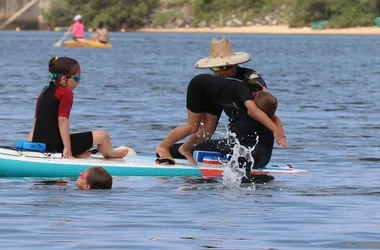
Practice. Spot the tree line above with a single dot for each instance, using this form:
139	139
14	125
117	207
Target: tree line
117	14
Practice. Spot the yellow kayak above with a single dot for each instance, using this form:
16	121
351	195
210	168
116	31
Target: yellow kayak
83	43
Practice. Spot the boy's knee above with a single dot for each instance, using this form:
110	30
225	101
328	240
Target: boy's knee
102	135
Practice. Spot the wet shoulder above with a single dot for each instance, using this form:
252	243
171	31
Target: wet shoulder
247	74
250	76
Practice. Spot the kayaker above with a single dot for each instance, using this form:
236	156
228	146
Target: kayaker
102	33
77	29
94	178
206	95
51	120
223	61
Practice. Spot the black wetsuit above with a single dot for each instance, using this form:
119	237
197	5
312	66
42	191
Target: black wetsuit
52	103
248	131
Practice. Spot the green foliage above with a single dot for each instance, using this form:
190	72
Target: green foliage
245	10
340	13
133	13
176	3
114	13
161	18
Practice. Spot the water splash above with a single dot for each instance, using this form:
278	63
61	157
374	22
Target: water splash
233	171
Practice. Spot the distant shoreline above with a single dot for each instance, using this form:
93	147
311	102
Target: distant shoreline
275	29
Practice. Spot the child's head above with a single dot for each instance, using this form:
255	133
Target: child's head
65	71
266	102
94	178
100	25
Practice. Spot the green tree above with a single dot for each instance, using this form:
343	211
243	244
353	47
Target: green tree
114	13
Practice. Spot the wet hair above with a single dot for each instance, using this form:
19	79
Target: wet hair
100	25
99	178
62	66
266	102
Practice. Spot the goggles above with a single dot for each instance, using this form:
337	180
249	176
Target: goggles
216	69
82	175
75	78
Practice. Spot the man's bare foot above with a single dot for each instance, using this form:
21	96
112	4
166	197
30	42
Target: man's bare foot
85	155
163	152
188	154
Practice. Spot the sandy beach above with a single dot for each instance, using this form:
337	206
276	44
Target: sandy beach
276	29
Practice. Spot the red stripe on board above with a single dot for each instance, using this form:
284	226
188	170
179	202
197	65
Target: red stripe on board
212	172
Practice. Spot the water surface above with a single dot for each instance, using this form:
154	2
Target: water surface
327	87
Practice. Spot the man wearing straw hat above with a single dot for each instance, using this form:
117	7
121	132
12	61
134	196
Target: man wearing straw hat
223	61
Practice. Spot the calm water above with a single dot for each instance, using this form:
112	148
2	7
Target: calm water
327	87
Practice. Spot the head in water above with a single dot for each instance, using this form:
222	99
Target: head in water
94	178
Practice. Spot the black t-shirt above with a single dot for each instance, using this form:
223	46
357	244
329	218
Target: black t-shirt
226	91
245	127
206	93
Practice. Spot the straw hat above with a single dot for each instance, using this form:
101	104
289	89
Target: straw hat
77	17
222	54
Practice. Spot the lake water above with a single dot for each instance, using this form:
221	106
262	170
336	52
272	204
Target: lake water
327	87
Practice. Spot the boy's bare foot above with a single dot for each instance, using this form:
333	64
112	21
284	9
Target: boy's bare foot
188	154
85	155
163	152
131	152
120	152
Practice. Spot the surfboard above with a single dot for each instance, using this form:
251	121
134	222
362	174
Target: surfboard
15	162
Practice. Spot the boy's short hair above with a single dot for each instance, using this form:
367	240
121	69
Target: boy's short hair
99	178
266	102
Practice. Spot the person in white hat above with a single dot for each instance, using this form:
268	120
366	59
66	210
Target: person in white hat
77	29
223	61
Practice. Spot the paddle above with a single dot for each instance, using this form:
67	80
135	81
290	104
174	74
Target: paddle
59	43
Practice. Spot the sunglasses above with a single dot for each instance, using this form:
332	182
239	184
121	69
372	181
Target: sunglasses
216	69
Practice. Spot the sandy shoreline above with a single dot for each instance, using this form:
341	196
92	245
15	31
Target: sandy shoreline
277	29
